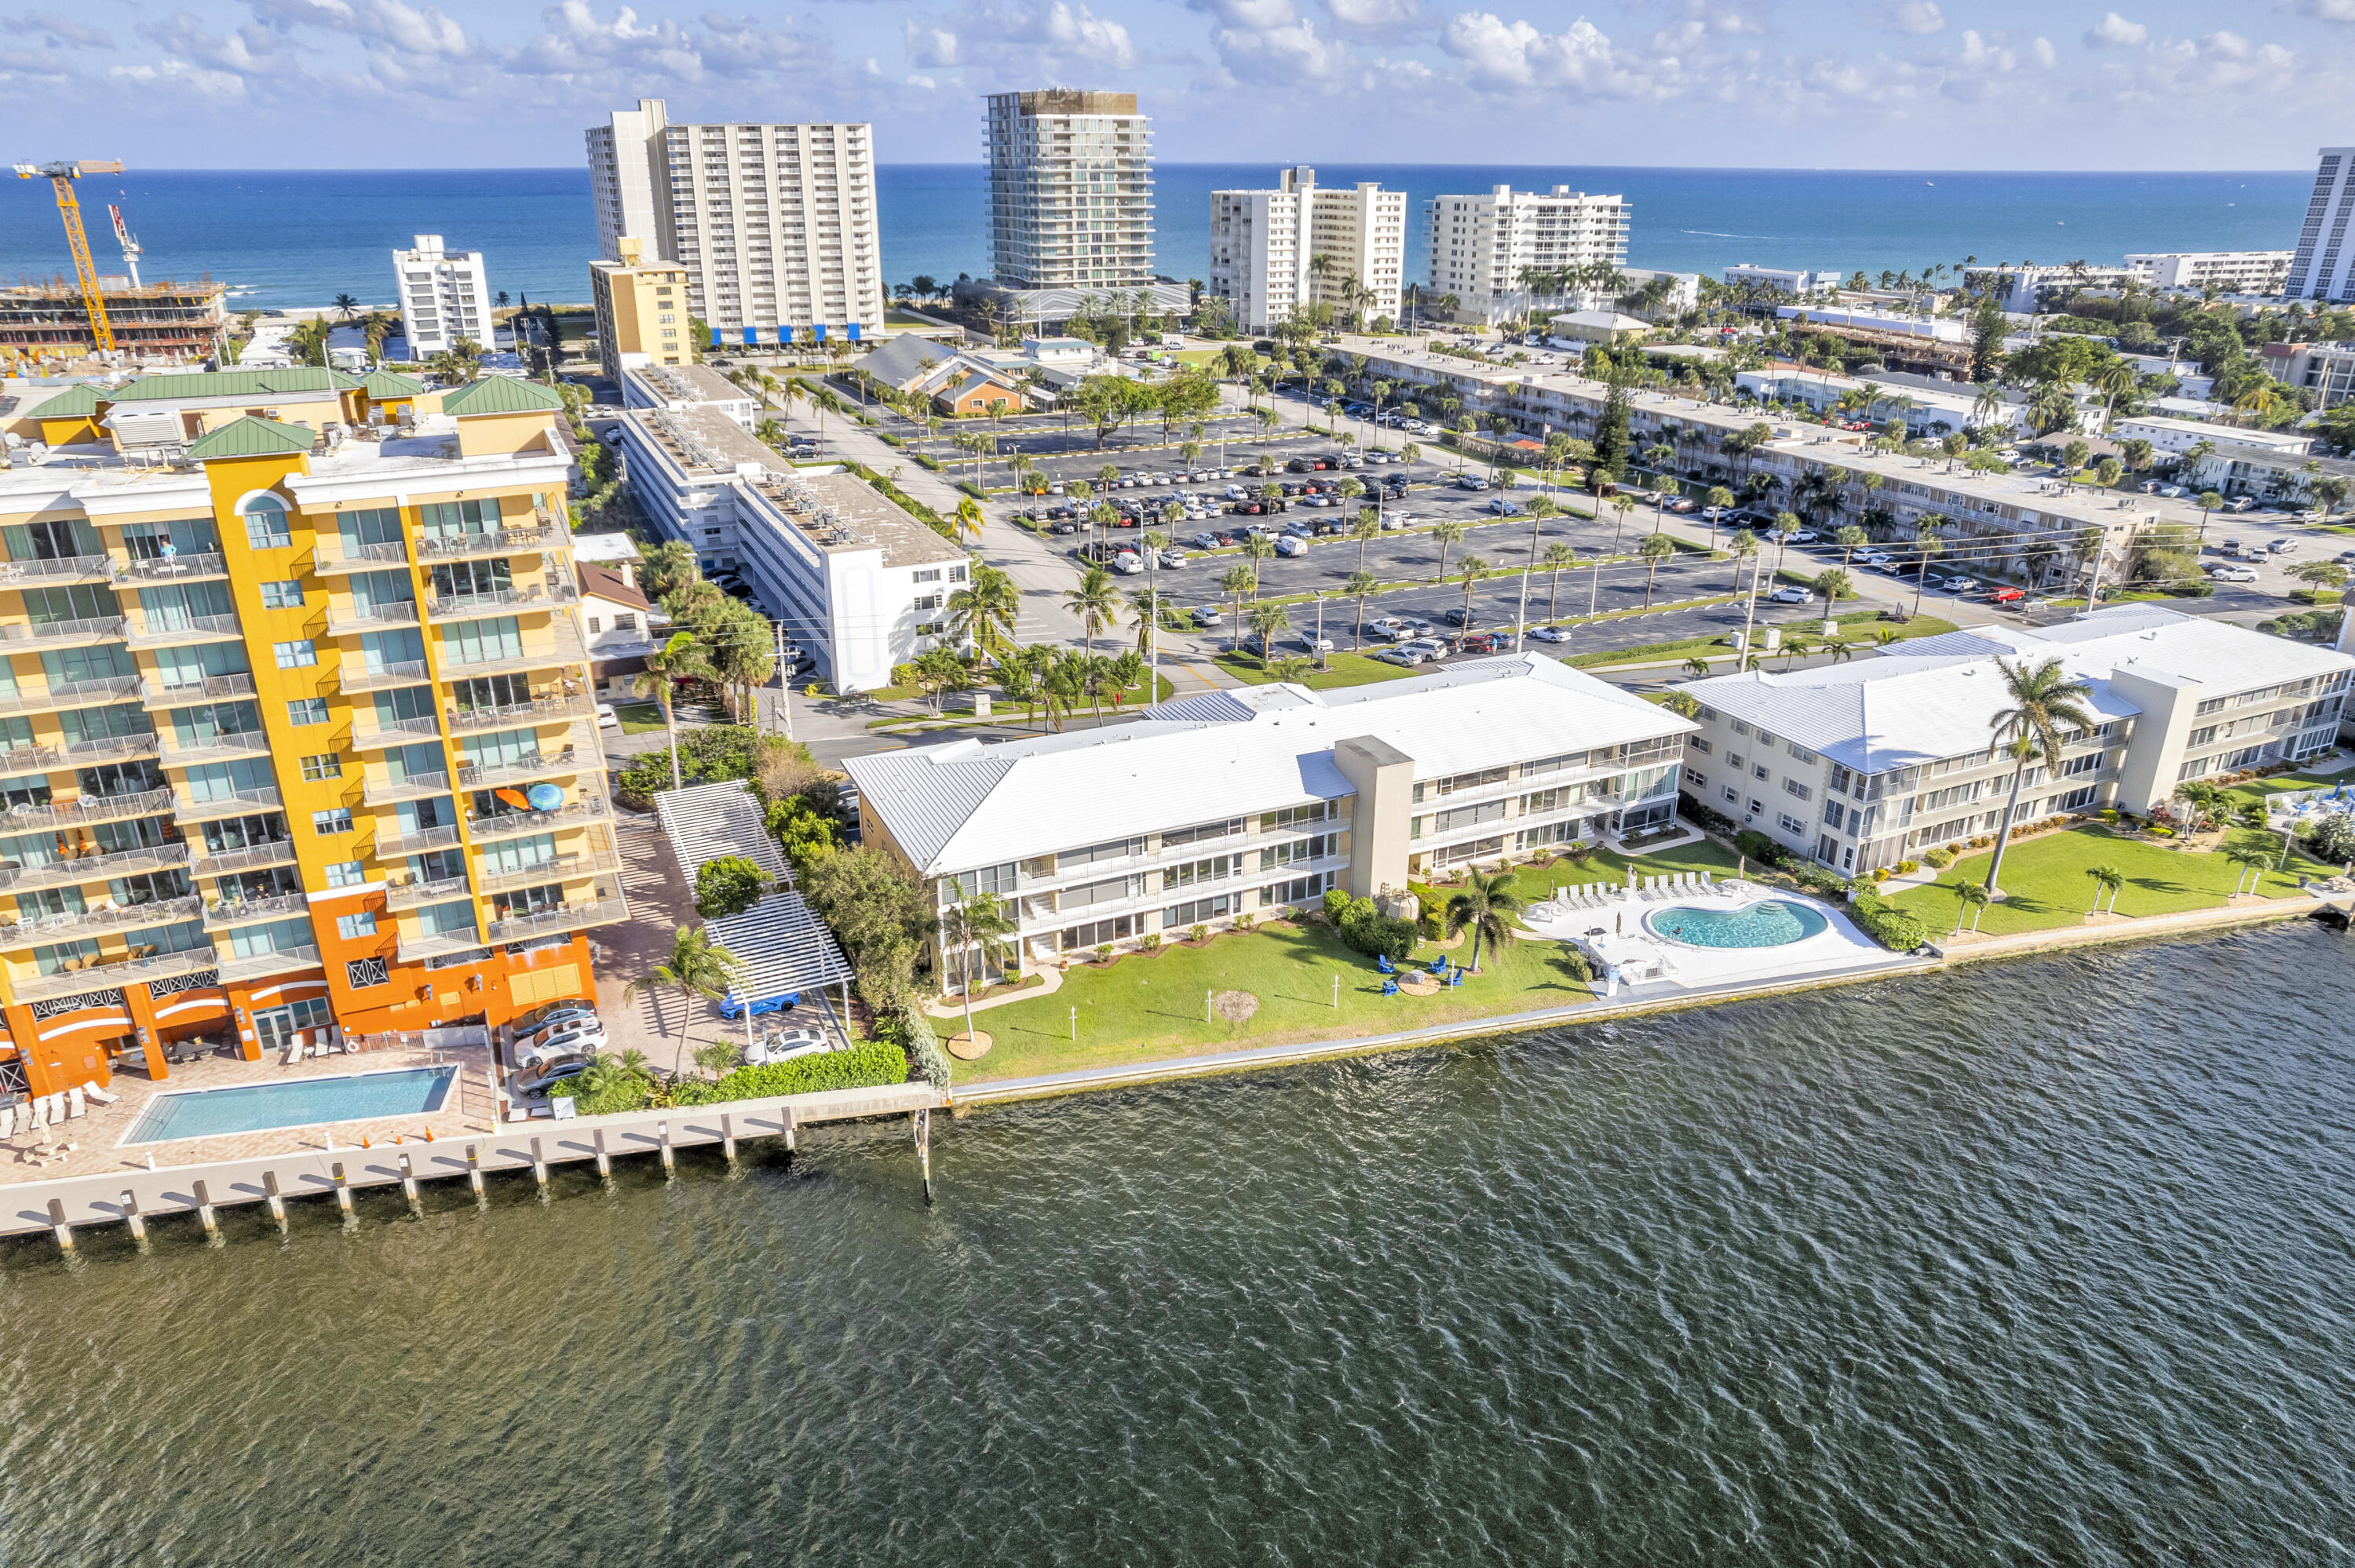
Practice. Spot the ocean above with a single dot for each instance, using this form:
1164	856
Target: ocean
286	238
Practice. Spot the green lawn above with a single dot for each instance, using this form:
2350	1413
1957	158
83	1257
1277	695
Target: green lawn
638	717
1348	669
2046	880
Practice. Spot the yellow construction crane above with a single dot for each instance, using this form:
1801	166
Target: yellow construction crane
62	177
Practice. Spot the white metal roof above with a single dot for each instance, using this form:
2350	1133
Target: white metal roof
951	808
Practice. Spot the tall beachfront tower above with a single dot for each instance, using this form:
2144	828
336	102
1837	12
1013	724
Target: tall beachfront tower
1071	190
776	225
297	714
2324	267
1266	245
445	296
1481	247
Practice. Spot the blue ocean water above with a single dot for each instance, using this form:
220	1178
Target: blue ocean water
300	237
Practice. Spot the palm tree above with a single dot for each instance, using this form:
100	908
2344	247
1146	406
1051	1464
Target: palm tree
677	660
698	965
1447	531
2045	700
978	928
1359	585
1486	904
1471	566
1655	549
1973	896
2106	879
1096	602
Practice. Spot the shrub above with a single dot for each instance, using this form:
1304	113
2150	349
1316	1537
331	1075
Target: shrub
727	885
1940	858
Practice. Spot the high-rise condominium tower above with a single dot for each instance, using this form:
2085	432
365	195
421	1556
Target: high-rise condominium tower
1485	248
2324	267
775	225
1272	250
1071	190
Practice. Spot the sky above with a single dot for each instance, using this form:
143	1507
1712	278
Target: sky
1916	84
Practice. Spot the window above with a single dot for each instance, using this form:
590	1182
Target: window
265	524
351	928
1792	786
323	765
361	973
306	710
338	821
345	873
295	655
286	594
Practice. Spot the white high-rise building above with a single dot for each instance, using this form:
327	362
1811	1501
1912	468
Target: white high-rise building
775	225
445	296
2324	267
1482	248
1265	245
1071	190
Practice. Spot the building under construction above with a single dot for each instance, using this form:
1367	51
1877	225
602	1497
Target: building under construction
153	322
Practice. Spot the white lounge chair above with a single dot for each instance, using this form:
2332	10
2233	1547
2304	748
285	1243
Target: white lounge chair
102	1096
74	1106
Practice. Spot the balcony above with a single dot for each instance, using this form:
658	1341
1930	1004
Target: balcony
512	715
91	868
86	810
333	556
69	694
255	966
153	693
193	568
101	977
183	630
415	948
232	803
518	825
43	929
406	672
63	570
66	633
412	893
517	541
223	912
529	770
608	907
400	732
347	618
416	786
226	747
397	846
556	651
501	601
253	857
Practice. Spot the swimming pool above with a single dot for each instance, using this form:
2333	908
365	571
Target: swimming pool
298	1102
1769	923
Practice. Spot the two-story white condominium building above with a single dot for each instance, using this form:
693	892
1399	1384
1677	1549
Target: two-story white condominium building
1862	764
1238	802
1266	245
1484	247
445	296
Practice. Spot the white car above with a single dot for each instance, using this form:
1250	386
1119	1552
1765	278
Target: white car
1550	634
1791	593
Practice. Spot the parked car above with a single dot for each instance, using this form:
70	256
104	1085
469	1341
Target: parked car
1791	593
1550	634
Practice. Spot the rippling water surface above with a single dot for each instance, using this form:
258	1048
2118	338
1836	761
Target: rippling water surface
2037	1263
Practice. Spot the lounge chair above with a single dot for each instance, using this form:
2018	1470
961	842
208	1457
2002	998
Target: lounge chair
103	1097
74	1106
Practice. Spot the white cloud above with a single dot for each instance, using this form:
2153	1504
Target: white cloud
2115	32
1916	18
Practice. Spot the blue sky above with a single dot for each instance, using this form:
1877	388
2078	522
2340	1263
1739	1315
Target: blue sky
1741	83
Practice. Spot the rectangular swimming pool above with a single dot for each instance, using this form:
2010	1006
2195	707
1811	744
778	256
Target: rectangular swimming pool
298	1102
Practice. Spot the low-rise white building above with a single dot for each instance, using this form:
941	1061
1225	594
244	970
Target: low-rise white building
1864	764
1251	800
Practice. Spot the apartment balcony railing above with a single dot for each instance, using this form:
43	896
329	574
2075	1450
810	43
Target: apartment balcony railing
603	911
64	873
252	857
416	786
67	633
525	770
414	894
556	651
511	715
351	619
101	977
501	601
227	746
518	825
403	672
230	803
63	570
43	929
400	732
69	694
191	567
334	556
86	810
181	631
223	912
254	966
546	873
154	693
514	541
395	846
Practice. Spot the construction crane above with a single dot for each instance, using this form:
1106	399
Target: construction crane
61	176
